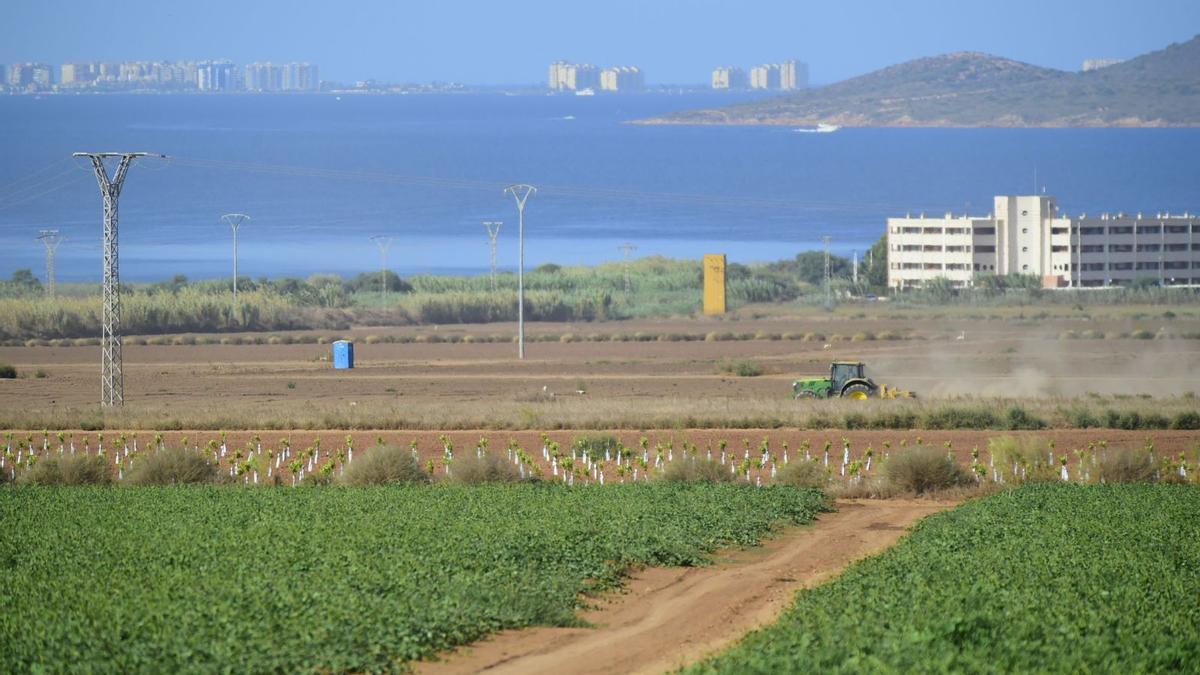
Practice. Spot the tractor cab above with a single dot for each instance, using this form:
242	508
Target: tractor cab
841	372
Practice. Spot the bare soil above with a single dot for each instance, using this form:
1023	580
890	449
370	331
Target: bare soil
666	618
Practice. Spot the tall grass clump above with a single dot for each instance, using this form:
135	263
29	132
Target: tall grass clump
173	466
1024	460
739	367
78	469
385	465
803	474
922	469
696	469
7	372
472	469
1125	465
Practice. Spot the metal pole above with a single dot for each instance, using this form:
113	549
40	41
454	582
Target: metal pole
493	230
828	281
520	193
112	375
383	243
235	221
51	239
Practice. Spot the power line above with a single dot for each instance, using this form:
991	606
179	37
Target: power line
112	372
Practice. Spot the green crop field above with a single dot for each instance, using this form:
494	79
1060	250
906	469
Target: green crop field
1039	579
333	579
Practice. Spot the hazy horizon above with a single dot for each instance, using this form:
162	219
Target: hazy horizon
674	41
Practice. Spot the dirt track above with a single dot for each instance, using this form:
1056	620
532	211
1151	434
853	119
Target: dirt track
668	617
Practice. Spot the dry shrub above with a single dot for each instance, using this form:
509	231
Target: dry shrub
385	465
471	469
1125	465
696	469
78	469
803	474
173	466
923	469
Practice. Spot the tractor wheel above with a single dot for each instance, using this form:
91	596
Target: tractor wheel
858	392
806	394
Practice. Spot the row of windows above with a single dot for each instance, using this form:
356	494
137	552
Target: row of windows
1149	265
1172	281
1124	248
1090	230
919	248
938	266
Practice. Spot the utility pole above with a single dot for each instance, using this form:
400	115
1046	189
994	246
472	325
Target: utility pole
383	243
627	250
828	275
112	372
493	230
235	221
856	268
520	192
51	239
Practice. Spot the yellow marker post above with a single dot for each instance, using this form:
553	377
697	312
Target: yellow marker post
714	283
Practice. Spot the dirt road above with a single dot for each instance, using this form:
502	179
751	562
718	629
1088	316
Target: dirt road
668	617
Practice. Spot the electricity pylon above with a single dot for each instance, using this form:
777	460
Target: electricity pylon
51	239
235	221
627	250
520	192
828	274
112	371
383	244
493	230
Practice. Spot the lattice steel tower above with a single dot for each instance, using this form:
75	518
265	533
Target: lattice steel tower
493	230
627	250
112	374
383	244
51	239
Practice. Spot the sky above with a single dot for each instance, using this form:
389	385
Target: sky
512	42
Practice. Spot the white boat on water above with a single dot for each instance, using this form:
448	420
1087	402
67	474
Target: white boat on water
819	129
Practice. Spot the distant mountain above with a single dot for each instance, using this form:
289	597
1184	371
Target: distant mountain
969	89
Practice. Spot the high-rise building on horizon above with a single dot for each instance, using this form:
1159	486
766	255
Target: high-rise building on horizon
787	76
729	77
566	76
216	76
622	78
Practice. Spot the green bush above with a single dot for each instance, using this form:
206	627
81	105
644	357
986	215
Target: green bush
1186	419
1082	418
78	469
1017	418
472	469
693	469
803	474
7	372
384	465
959	417
172	466
739	367
595	446
922	469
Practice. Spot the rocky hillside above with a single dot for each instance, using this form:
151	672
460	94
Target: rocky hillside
969	89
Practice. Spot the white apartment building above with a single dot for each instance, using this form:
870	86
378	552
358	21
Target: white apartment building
622	78
729	77
565	76
1027	235
765	76
785	76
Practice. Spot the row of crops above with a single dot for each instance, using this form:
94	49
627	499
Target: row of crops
200	578
604	459
1046	578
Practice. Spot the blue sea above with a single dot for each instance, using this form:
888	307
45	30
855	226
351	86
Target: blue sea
320	175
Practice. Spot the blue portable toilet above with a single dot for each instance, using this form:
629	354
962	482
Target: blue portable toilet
343	354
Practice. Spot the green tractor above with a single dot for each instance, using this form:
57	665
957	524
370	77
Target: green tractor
847	379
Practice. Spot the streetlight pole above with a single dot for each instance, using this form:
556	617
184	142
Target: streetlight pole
520	193
235	221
